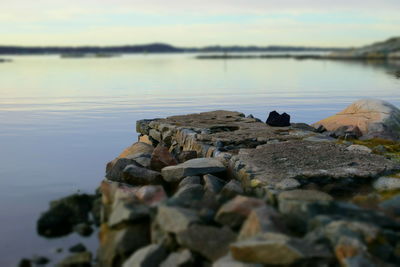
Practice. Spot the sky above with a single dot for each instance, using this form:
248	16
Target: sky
193	23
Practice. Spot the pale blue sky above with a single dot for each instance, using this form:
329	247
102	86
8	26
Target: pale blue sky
198	23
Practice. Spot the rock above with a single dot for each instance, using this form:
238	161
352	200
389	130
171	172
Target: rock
137	148
136	175
282	250
229	261
115	169
77	248
156	135
24	263
261	220
374	118
290	200
213	183
380	149
83	229
351	252
193	167
359	148
278	120
234	212
149	256
117	246
187	155
175	219
145	139
182	258
187	196
231	189
387	184
82	259
288	184
161	158
320	138
39	260
144	160
308	162
63	214
347	132
209	241
189	181
124	213
391	205
302	126
151	194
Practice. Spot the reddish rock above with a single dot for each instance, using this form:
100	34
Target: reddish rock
234	212
161	158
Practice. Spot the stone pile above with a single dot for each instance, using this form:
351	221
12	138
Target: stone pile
220	189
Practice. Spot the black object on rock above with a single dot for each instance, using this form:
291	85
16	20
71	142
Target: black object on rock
277	120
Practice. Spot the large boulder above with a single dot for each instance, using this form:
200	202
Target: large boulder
374	118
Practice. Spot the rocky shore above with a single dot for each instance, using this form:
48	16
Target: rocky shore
222	189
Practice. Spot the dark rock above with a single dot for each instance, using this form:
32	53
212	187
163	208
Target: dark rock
187	155
234	212
182	258
83	229
82	259
136	175
77	248
231	189
161	158
39	260
187	196
302	126
115	169
149	256
209	241
63	214
391	205
189	181
277	120
320	129
96	211
213	183
117	246
24	263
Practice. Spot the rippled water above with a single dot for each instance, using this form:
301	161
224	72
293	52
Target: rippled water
61	120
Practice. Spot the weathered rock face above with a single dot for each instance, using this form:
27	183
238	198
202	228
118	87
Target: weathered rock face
307	162
149	256
374	118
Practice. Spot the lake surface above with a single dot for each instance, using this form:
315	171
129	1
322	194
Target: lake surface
61	120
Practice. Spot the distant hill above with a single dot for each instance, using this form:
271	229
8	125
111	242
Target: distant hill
149	48
381	50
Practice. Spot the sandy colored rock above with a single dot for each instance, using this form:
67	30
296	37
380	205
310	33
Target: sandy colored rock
374	118
136	148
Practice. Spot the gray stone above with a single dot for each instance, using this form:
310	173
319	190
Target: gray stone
136	175
288	184
213	183
234	212
387	184
189	181
182	258
199	166
391	205
143	159
209	241
175	219
124	213
320	163
77	248
229	261
115	169
187	196
320	138
149	256
231	189
156	135
359	148
82	259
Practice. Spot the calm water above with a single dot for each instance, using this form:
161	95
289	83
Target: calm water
61	120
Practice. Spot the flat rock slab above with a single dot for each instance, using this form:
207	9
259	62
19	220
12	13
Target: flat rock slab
307	162
208	132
